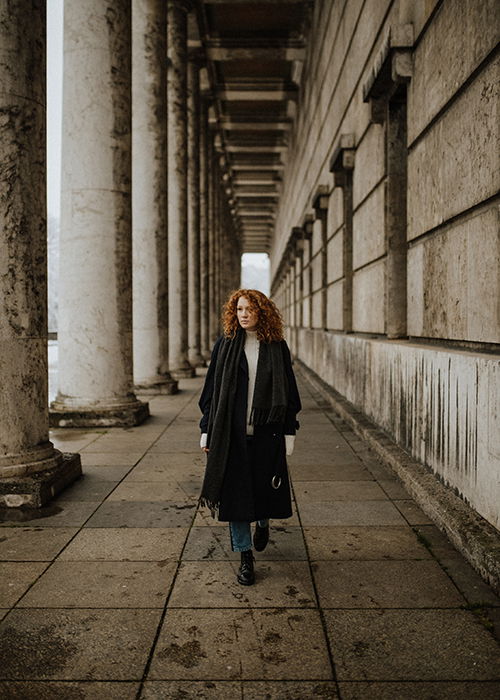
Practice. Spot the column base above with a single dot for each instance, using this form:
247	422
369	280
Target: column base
166	387
197	361
123	416
39	488
183	373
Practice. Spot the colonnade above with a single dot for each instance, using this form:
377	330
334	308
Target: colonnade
148	244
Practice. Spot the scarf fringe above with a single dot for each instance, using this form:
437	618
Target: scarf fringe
261	416
212	506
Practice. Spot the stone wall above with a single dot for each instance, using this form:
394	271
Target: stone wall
410	87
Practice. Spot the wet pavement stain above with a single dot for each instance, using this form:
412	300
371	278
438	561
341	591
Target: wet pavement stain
26	515
39	653
188	655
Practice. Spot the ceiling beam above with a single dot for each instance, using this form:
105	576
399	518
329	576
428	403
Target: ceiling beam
259	53
257	95
231	125
257	166
256	149
255	194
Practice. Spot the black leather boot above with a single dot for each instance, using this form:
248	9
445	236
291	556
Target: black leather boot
246	575
260	537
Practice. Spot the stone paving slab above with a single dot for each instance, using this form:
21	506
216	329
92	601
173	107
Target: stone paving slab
329	472
393	488
368	513
88	488
443	690
289	690
235	690
110	459
126	544
469	583
325	456
16	578
178	447
363	543
161	491
411	645
118	444
331	491
143	514
214	585
76	644
33	543
68	690
412	513
59	513
93	584
100	473
160	474
201	690
213	543
384	584
241	644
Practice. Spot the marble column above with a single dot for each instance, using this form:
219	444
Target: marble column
95	297
204	262
177	188
31	470
212	224
149	198
194	316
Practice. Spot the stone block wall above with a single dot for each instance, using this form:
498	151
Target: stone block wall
411	329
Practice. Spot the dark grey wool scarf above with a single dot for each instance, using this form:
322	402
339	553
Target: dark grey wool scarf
268	406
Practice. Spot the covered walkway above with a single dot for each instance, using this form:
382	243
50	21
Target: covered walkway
121	589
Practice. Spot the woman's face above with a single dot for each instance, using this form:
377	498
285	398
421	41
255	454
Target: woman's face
247	317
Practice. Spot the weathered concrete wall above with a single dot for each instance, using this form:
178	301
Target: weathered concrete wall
443	407
424	264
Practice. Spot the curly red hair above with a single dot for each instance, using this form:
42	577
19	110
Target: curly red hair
269	323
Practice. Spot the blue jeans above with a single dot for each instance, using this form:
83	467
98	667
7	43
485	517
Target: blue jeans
241	536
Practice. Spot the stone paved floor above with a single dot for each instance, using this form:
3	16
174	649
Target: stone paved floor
122	590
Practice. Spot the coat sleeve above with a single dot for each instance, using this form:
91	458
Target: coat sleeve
294	405
208	387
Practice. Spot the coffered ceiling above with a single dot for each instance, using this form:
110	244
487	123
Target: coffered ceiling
255	52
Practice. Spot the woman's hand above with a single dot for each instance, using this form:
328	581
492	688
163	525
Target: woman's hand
203	442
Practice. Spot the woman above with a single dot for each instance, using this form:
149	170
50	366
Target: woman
249	404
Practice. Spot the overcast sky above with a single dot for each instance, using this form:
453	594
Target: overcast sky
54	104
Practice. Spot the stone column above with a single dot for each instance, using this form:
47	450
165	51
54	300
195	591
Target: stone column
25	449
177	188
204	262
342	166
395	216
320	205
212	218
149	198
95	297
194	312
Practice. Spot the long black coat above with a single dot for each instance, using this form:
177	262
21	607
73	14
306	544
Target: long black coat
247	493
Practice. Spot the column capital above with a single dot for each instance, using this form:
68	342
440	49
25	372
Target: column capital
320	200
393	67
342	160
307	226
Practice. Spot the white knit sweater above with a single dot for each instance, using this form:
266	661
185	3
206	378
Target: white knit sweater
252	346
